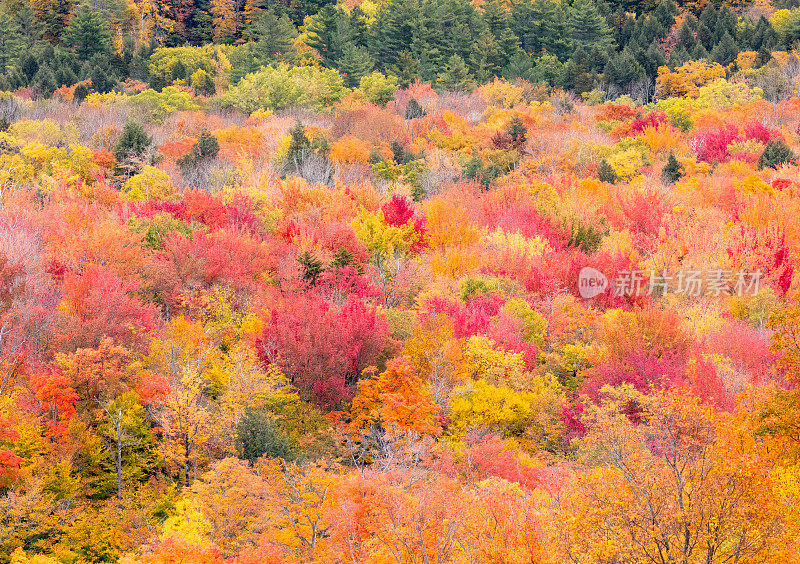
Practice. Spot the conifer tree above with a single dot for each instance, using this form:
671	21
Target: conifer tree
588	27
88	34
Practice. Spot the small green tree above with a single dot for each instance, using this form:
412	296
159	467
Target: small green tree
312	268
606	172
132	147
776	153
257	434
456	76
414	110
205	148
672	171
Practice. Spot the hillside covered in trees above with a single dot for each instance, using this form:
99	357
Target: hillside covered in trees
399	282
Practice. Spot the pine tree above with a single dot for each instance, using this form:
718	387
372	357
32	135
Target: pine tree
273	35
588	27
133	144
355	63
88	34
776	153
456	76
11	43
414	110
672	171
623	69
725	51
606	173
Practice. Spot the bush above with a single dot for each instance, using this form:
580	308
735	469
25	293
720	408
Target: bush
474	169
159	105
606	172
281	86
672	171
169	63
206	148
258	435
203	83
776	153
414	110
150	184
133	145
377	88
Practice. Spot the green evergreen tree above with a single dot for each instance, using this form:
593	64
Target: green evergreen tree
11	41
132	146
606	172
775	154
88	34
258	434
354	64
456	76
725	51
273	35
623	69
672	171
312	268
588	27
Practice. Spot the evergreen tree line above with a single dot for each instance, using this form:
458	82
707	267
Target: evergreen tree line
577	46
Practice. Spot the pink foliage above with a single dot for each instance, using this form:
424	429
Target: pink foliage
653	119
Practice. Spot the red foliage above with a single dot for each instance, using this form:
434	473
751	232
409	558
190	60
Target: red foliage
653	119
763	249
98	304
713	146
758	131
617	112
57	399
487	456
323	351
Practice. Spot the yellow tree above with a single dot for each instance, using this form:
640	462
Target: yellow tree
683	485
184	355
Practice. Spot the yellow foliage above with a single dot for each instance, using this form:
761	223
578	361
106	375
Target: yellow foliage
449	226
383	240
150	184
687	79
626	163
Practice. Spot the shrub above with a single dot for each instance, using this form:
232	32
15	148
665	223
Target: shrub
377	88
414	110
281	86
202	83
150	184
776	153
159	105
672	171
606	172
163	63
133	144
206	148
258	434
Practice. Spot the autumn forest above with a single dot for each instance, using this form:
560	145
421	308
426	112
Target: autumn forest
399	281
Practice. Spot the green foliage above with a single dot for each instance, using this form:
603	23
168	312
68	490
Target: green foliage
606	172
456	76
133	144
158	105
775	154
672	171
312	268
202	83
163	63
204	149
281	86
474	169
88	34
377	88
273	36
414	110
258	434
